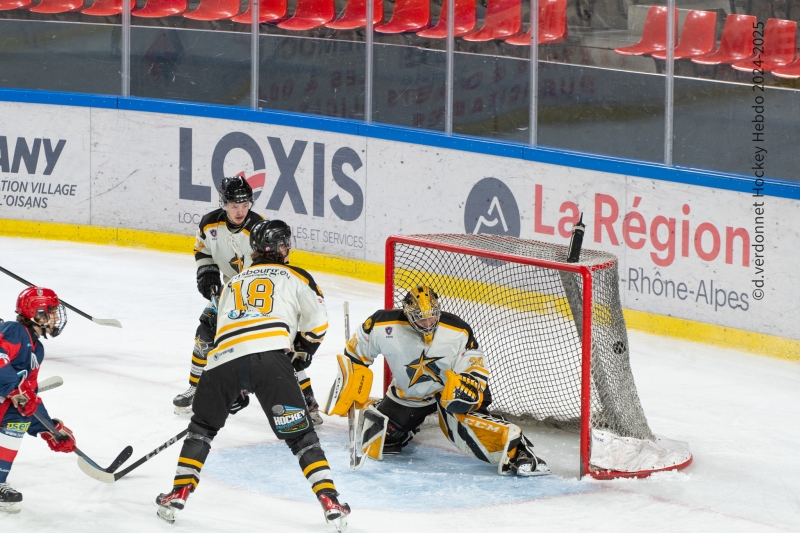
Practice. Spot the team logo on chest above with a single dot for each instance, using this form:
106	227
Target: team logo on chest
423	370
237	263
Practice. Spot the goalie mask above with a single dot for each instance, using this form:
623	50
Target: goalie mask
41	307
421	306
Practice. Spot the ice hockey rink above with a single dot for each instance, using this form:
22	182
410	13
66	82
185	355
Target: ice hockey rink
740	414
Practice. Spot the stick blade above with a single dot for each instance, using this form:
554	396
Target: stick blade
50	383
107	322
94	473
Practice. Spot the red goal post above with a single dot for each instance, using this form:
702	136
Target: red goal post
540	292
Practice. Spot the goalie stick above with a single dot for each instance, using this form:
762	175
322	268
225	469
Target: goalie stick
356	460
111	477
102	321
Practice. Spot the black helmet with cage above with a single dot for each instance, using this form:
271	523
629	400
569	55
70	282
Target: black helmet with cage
235	190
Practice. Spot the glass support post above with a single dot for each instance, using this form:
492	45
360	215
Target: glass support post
126	48
534	71
254	61
368	61
670	85
448	100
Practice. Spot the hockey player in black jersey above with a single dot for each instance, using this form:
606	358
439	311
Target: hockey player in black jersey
272	318
223	248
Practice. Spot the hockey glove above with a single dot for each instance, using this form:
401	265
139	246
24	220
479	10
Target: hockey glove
241	401
462	393
25	399
67	442
208	282
300	360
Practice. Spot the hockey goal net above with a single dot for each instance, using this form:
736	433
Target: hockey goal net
554	337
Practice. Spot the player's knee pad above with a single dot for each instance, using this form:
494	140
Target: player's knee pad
201	432
482	435
304	443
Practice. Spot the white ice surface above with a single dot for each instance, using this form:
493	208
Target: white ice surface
740	414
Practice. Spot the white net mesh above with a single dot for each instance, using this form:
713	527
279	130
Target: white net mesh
528	320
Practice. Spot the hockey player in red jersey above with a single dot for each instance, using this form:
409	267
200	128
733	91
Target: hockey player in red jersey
223	249
437	367
39	314
272	319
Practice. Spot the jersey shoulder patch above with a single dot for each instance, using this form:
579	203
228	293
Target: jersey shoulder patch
306	277
251	220
214	218
454	322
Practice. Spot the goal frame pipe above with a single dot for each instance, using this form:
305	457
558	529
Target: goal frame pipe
586	342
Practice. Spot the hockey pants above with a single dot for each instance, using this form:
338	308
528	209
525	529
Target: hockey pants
12	428
270	376
480	434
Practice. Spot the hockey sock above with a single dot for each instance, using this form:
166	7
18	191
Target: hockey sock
193	455
199	363
10	441
312	461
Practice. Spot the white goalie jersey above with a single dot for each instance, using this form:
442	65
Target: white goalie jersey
418	369
263	309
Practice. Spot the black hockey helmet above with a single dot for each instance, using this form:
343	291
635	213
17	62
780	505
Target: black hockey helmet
267	236
235	190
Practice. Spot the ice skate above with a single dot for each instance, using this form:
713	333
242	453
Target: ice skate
170	504
525	464
183	401
313	410
10	499
335	512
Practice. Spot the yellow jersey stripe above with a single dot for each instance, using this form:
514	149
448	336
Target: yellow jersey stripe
321	328
191	462
245	338
397	322
448	326
183	482
313	466
245	323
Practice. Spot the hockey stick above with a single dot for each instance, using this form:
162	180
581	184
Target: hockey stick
356	460
108	477
50	383
102	321
121	458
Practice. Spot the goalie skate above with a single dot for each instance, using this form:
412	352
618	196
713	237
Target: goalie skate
183	401
10	499
335	512
170	504
526	464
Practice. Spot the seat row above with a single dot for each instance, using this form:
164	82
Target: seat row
503	20
777	45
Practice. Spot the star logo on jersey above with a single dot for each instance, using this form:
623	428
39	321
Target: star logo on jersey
423	370
237	263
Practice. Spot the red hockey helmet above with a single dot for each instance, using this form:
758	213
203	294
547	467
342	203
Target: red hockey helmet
41	307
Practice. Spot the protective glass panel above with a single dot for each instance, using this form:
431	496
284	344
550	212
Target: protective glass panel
491	90
409	66
312	57
60	45
601	89
736	87
190	51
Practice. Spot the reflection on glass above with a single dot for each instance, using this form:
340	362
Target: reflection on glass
736	65
60	45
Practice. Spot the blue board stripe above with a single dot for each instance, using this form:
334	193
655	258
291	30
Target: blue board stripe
627	167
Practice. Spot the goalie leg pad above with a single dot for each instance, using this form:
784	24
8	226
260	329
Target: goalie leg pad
351	386
373	428
486	437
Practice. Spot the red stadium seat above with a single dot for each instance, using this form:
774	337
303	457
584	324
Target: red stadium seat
268	11
106	8
464	21
699	35
408	15
791	71
503	19
552	24
654	33
155	9
7	5
214	10
310	14
355	15
779	46
736	43
57	6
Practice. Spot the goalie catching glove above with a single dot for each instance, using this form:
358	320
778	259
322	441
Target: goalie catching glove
352	386
462	393
66	442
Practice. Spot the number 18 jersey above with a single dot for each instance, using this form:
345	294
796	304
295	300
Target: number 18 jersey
263	308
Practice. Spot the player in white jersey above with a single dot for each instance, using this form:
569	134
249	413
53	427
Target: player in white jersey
223	247
436	366
272	319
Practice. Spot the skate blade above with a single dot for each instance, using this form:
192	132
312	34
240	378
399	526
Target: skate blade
167	514
316	418
540	471
10	507
182	410
340	524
